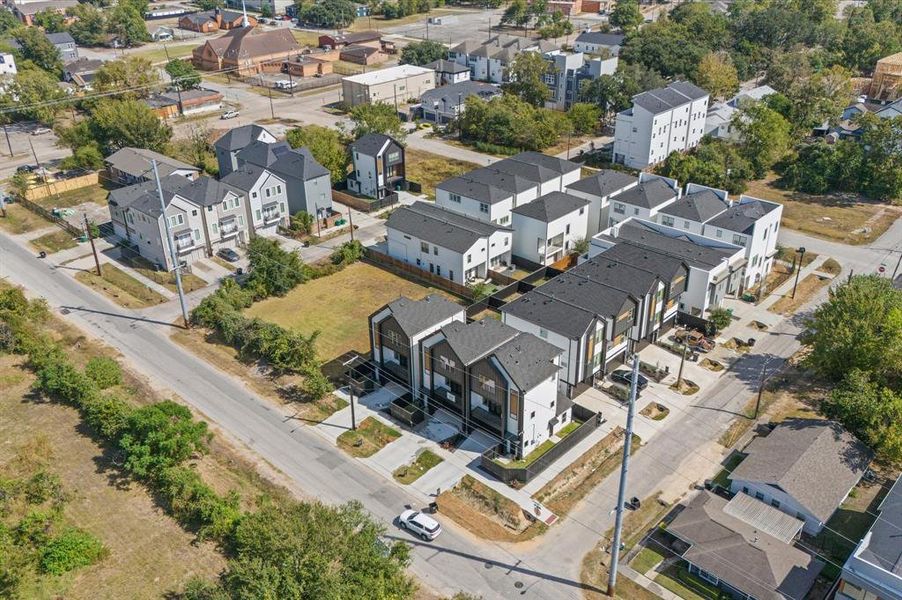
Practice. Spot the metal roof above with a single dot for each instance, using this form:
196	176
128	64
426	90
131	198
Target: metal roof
764	517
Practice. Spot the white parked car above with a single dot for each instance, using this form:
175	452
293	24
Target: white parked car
41	131
229	114
420	524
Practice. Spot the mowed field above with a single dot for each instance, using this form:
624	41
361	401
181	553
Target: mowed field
338	306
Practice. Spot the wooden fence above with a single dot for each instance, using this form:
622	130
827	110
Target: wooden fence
40	210
53	188
363	204
413	272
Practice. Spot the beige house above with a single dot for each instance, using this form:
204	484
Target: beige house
887	81
393	85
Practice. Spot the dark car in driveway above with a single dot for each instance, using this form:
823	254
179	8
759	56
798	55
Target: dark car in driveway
228	254
625	377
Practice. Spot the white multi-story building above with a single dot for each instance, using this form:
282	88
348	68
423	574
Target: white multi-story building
643	201
661	121
546	229
7	64
267	194
490	61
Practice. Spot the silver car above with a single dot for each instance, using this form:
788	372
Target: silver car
420	524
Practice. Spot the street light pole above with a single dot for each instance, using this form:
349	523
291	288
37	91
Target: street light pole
798	270
177	267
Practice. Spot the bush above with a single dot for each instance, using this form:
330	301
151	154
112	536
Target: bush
160	436
195	504
108	416
720	318
41	487
71	550
63	381
315	385
104	371
347	253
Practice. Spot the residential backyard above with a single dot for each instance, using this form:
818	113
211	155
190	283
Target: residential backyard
338	306
843	219
430	169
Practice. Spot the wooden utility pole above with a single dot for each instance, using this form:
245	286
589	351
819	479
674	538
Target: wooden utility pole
93	247
351	222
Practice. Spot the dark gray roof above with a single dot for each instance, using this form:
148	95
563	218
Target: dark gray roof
601	38
371	143
299	164
648	194
741	555
559	165
263	154
416	316
475	340
663	99
443	228
698	206
549	313
448	96
742	217
499	179
694	255
665	266
206	191
533	172
883	547
600	298
816	462
244	177
630	278
550	207
126	196
469	188
528	360
239	137
689	90
447	66
603	183
60	38
137	162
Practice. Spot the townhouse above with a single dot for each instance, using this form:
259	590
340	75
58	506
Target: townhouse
600	312
547	228
448	71
567	71
267	197
444	104
491	60
598	189
643	201
378	166
446	243
660	121
128	166
234	141
715	266
496	379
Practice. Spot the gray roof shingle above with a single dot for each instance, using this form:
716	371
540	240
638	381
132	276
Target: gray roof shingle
371	143
442	227
126	196
816	462
472	341
663	99
298	163
551	313
469	188
447	66
698	206
240	137
883	548
244	177
694	255
742	217
206	191
604	183
550	207
601	38
664	266
528	360
448	96
648	194
137	162
416	316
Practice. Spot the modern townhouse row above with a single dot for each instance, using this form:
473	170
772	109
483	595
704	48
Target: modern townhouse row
487	375
263	182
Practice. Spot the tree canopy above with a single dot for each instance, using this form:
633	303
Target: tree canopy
326	146
626	15
512	123
183	74
423	52
379	117
134	75
332	14
115	124
527	73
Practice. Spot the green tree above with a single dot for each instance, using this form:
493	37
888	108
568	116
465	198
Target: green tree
332	14
8	22
347	253
584	117
380	117
133	74
717	75
126	23
871	411
159	436
50	21
667	47
302	221
115	124
34	46
714	163
183	74
517	13
34	95
274	271
765	135
88	27
511	123
626	15
882	161
423	52
326	146
554	25
104	371
720	318
858	327
527	73
820	98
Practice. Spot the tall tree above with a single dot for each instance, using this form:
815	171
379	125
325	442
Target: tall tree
423	52
126	23
527	78
34	46
50	21
118	123
88	27
517	13
717	75
133	74
182	74
882	141
34	95
376	118
326	146
765	135
333	14
626	15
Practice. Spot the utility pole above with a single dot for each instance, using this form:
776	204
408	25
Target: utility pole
799	270
272	111
760	388
177	267
679	382
2	206
316	218
8	144
351	222
93	247
624	469
896	270
351	390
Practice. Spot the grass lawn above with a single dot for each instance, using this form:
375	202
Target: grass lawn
190	281
224	263
831	266
371	436
407	474
305	37
531	457
338	306
430	169
723	478
19	219
379	23
808	287
689	587
96	193
569	428
647	558
849	523
54	241
158	55
121	287
828	217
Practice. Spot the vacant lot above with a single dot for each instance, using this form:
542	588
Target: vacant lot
338	306
92	193
430	169
54	241
829	217
19	219
120	287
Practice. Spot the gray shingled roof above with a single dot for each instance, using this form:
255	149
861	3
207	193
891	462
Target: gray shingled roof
499	179
742	217
244	177
816	462
742	556
206	191
559	165
60	38
448	96
883	547
663	99
554	314
528	360
472	341
447	66
604	183
240	137
550	207
263	154
137	162
443	228
577	289
416	316
633	279
126	196
648	194
698	206
370	144
601	38
694	255
665	266
298	163
469	188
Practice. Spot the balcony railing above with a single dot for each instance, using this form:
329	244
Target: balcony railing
228	229
271	215
184	244
396	369
484	416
